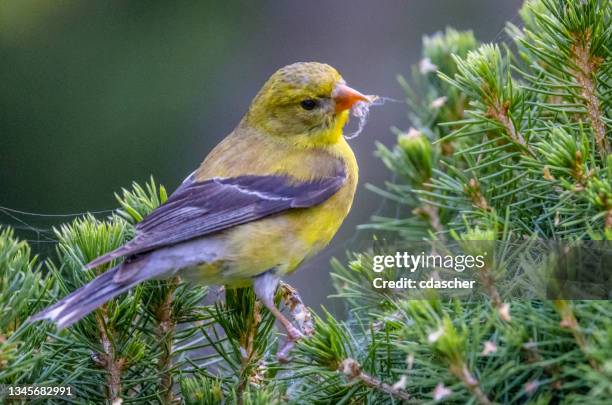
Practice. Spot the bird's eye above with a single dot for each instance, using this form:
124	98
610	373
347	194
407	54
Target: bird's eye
308	104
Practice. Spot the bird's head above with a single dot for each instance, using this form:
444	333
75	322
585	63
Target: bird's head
306	103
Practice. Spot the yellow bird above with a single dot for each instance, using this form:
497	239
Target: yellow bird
269	196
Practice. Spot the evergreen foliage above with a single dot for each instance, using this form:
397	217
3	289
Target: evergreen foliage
509	142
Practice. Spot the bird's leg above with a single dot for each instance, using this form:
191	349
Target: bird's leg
264	287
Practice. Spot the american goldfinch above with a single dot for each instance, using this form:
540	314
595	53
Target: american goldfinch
268	197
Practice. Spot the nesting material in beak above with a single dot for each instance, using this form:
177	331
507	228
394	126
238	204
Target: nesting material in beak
361	109
347	98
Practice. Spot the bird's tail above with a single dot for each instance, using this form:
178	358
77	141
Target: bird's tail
87	298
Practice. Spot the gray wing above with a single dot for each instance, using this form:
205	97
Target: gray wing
197	209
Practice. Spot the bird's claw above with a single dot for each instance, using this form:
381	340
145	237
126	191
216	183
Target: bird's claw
283	355
294	334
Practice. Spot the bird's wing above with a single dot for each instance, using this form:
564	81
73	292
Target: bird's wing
201	208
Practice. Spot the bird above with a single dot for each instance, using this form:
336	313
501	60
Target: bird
267	198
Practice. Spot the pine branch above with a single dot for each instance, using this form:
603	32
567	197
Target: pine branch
109	359
352	370
569	321
166	325
585	72
461	371
248	352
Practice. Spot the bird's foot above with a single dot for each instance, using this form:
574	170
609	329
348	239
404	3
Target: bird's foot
283	355
300	315
293	334
299	312
284	352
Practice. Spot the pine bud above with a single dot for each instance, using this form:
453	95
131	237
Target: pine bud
417	150
441	392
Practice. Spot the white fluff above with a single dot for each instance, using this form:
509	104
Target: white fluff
361	110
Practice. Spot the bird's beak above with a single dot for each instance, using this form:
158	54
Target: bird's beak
345	97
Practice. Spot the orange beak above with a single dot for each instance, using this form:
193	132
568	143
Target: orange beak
345	97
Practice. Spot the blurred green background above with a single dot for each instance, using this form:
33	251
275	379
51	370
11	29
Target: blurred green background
96	94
